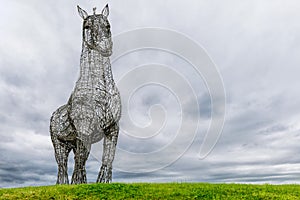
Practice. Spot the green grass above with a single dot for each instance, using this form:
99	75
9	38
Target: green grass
155	191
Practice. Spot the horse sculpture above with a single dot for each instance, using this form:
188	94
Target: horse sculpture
94	107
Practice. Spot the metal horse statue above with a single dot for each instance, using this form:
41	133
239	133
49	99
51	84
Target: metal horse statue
94	107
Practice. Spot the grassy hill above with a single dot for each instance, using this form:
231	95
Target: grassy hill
155	191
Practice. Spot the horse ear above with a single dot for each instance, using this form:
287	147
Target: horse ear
83	14
105	11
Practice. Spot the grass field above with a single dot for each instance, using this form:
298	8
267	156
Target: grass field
155	191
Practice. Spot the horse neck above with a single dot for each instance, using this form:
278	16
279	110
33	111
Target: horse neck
95	70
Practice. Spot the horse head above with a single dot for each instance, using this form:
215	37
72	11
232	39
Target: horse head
96	31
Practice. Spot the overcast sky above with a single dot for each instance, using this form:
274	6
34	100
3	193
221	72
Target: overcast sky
254	44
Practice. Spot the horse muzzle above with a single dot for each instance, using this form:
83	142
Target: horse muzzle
105	47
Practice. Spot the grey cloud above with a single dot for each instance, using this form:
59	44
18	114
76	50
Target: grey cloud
254	44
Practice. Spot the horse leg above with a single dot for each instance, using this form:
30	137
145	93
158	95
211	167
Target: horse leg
81	151
109	149
62	151
60	129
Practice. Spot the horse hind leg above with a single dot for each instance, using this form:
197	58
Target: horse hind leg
62	151
59	129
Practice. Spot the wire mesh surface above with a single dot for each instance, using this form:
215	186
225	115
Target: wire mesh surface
94	107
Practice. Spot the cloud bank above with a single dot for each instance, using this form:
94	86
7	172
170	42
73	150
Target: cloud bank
255	45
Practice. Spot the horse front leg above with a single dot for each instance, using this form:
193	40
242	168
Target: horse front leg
109	149
81	151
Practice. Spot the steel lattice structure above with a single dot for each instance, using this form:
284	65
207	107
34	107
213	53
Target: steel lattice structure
94	107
